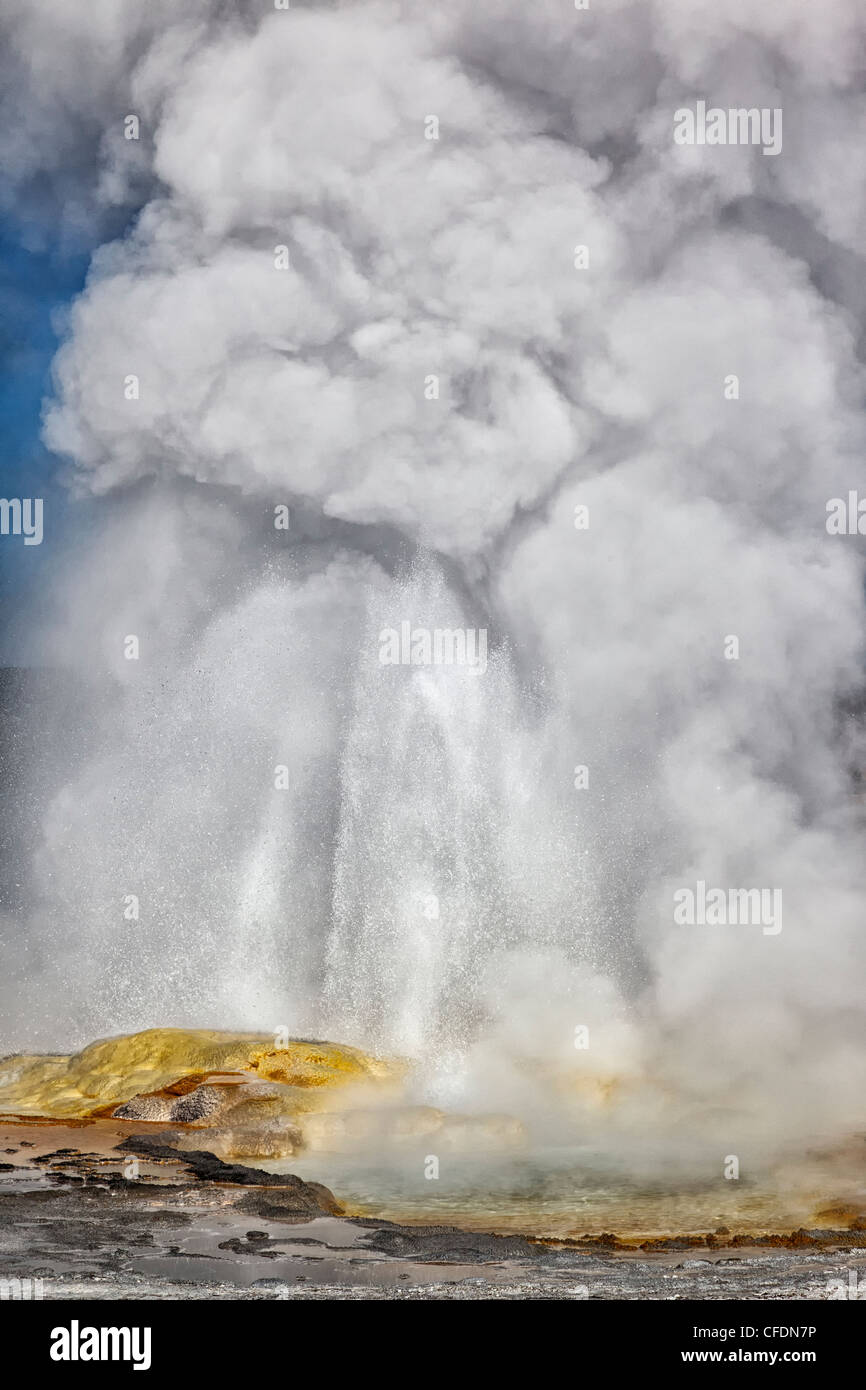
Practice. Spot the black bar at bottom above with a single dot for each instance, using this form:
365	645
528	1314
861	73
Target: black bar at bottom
203	1337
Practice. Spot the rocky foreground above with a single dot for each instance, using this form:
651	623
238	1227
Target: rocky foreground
94	1211
122	1177
73	1225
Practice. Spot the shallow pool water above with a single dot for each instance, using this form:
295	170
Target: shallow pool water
558	1193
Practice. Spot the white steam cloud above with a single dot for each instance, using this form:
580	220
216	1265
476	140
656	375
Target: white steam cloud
602	386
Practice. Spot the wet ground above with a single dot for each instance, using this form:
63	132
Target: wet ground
91	1221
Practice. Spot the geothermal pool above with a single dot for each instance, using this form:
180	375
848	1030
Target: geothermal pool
571	1192
335	1115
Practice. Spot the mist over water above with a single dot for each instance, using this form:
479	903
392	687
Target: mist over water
426	877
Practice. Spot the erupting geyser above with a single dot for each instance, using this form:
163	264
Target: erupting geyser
387	344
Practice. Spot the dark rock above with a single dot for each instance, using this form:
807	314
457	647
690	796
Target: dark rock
290	1191
292	1204
447	1243
199	1104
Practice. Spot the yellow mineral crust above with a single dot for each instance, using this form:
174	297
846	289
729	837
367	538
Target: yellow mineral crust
114	1070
